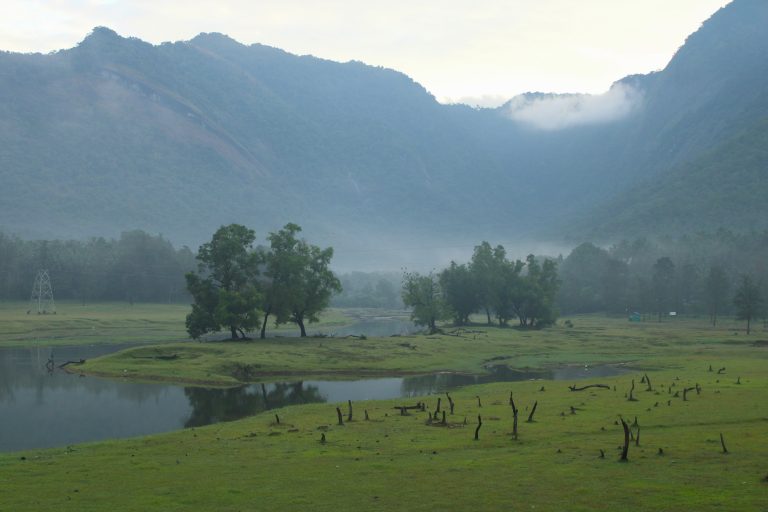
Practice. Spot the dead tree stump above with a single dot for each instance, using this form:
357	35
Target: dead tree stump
514	419
339	415
479	424
625	449
349	416
722	443
533	411
450	402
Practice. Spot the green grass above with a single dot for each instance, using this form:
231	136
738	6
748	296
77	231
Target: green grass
395	462
398	462
592	340
114	323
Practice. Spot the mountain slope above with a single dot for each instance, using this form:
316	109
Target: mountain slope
118	134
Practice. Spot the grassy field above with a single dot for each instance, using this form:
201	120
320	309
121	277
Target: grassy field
394	462
115	322
591	340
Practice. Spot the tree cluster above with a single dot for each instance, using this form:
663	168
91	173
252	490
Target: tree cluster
137	267
707	273
490	283
238	287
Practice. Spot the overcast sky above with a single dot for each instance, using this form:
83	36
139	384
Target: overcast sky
482	51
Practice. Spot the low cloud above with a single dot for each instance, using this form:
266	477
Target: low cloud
559	111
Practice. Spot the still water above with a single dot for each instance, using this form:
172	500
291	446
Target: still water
41	408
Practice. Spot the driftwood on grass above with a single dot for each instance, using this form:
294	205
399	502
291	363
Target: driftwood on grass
450	401
722	443
648	382
81	361
685	393
419	406
349	416
277	419
582	388
366	415
479	424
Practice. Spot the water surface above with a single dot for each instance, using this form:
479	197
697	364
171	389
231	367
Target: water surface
41	408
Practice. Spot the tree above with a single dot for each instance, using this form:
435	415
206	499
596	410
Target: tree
460	292
423	294
486	266
223	288
663	279
748	301
534	305
302	282
716	290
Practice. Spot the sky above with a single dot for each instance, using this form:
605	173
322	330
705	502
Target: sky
482	52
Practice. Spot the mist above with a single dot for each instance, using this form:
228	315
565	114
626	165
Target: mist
560	111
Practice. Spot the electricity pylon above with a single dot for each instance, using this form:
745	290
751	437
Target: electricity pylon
42	295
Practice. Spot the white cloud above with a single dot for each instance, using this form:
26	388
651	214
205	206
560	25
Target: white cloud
558	111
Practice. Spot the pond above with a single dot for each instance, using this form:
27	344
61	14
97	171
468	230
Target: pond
41	408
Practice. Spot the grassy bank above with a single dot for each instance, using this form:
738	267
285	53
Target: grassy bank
591	340
394	462
114	322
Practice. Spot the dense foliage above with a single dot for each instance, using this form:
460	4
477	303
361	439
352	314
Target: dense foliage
696	274
491	284
136	267
235	282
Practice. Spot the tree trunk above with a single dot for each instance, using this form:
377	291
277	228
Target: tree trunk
488	314
625	449
233	330
749	319
300	322
263	334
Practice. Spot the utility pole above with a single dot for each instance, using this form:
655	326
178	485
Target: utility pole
42	295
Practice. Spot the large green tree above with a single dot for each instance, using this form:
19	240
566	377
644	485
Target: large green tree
460	292
535	301
422	294
224	287
487	266
301	280
748	301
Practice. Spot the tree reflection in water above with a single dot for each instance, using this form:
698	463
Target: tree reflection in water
439	382
214	405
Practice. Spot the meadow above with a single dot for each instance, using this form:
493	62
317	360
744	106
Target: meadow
566	458
111	323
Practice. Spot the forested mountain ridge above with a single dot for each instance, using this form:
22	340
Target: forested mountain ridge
179	138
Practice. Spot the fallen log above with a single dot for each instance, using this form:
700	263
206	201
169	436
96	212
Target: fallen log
574	388
409	407
81	361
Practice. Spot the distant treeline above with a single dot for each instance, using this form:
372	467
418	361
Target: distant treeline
136	267
693	274
369	290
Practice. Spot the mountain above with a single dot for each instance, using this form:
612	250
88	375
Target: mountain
179	138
